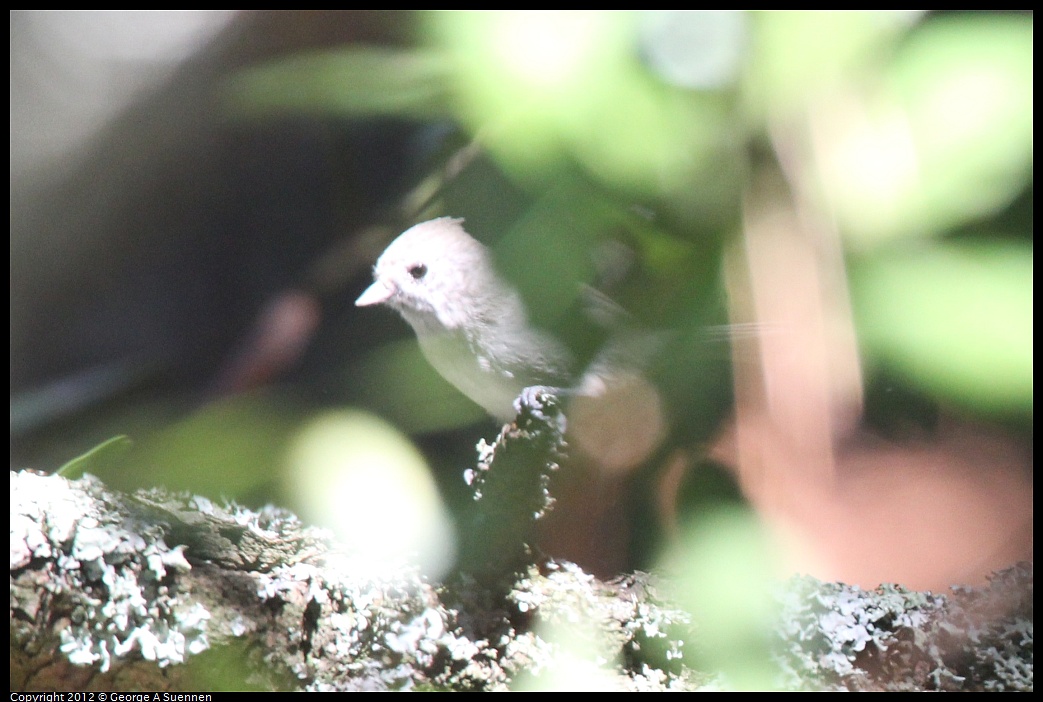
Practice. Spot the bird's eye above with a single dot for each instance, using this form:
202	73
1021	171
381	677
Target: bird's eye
418	271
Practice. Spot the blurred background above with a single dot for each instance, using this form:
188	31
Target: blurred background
824	219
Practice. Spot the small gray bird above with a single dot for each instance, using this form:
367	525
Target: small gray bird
471	324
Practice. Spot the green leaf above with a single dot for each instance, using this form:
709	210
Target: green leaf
955	319
107	452
348	82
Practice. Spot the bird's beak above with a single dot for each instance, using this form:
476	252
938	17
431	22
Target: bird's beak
375	294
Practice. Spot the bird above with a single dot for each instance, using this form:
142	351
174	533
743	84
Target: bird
474	329
471	324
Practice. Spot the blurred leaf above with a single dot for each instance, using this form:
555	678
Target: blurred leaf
701	49
799	56
966	85
946	137
542	88
724	569
583	660
225	450
360	477
104	455
955	319
346	82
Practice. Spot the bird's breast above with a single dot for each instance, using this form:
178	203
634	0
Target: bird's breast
475	372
